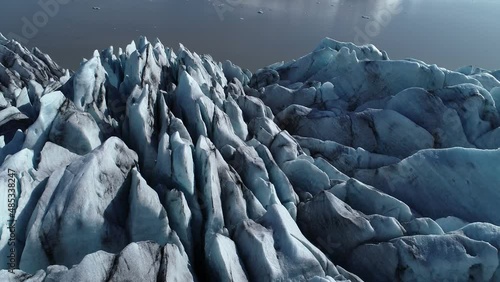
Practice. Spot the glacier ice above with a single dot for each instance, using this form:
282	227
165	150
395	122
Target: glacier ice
95	214
426	258
149	164
440	183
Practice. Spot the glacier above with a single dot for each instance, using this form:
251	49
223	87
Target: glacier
150	164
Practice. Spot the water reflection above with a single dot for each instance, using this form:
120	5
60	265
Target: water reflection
438	31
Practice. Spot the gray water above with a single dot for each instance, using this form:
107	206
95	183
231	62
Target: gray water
450	33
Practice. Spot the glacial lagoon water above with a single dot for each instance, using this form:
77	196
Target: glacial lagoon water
255	33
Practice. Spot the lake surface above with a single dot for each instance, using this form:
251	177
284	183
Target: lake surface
256	33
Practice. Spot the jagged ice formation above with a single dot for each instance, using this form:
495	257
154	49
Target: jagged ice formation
343	165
